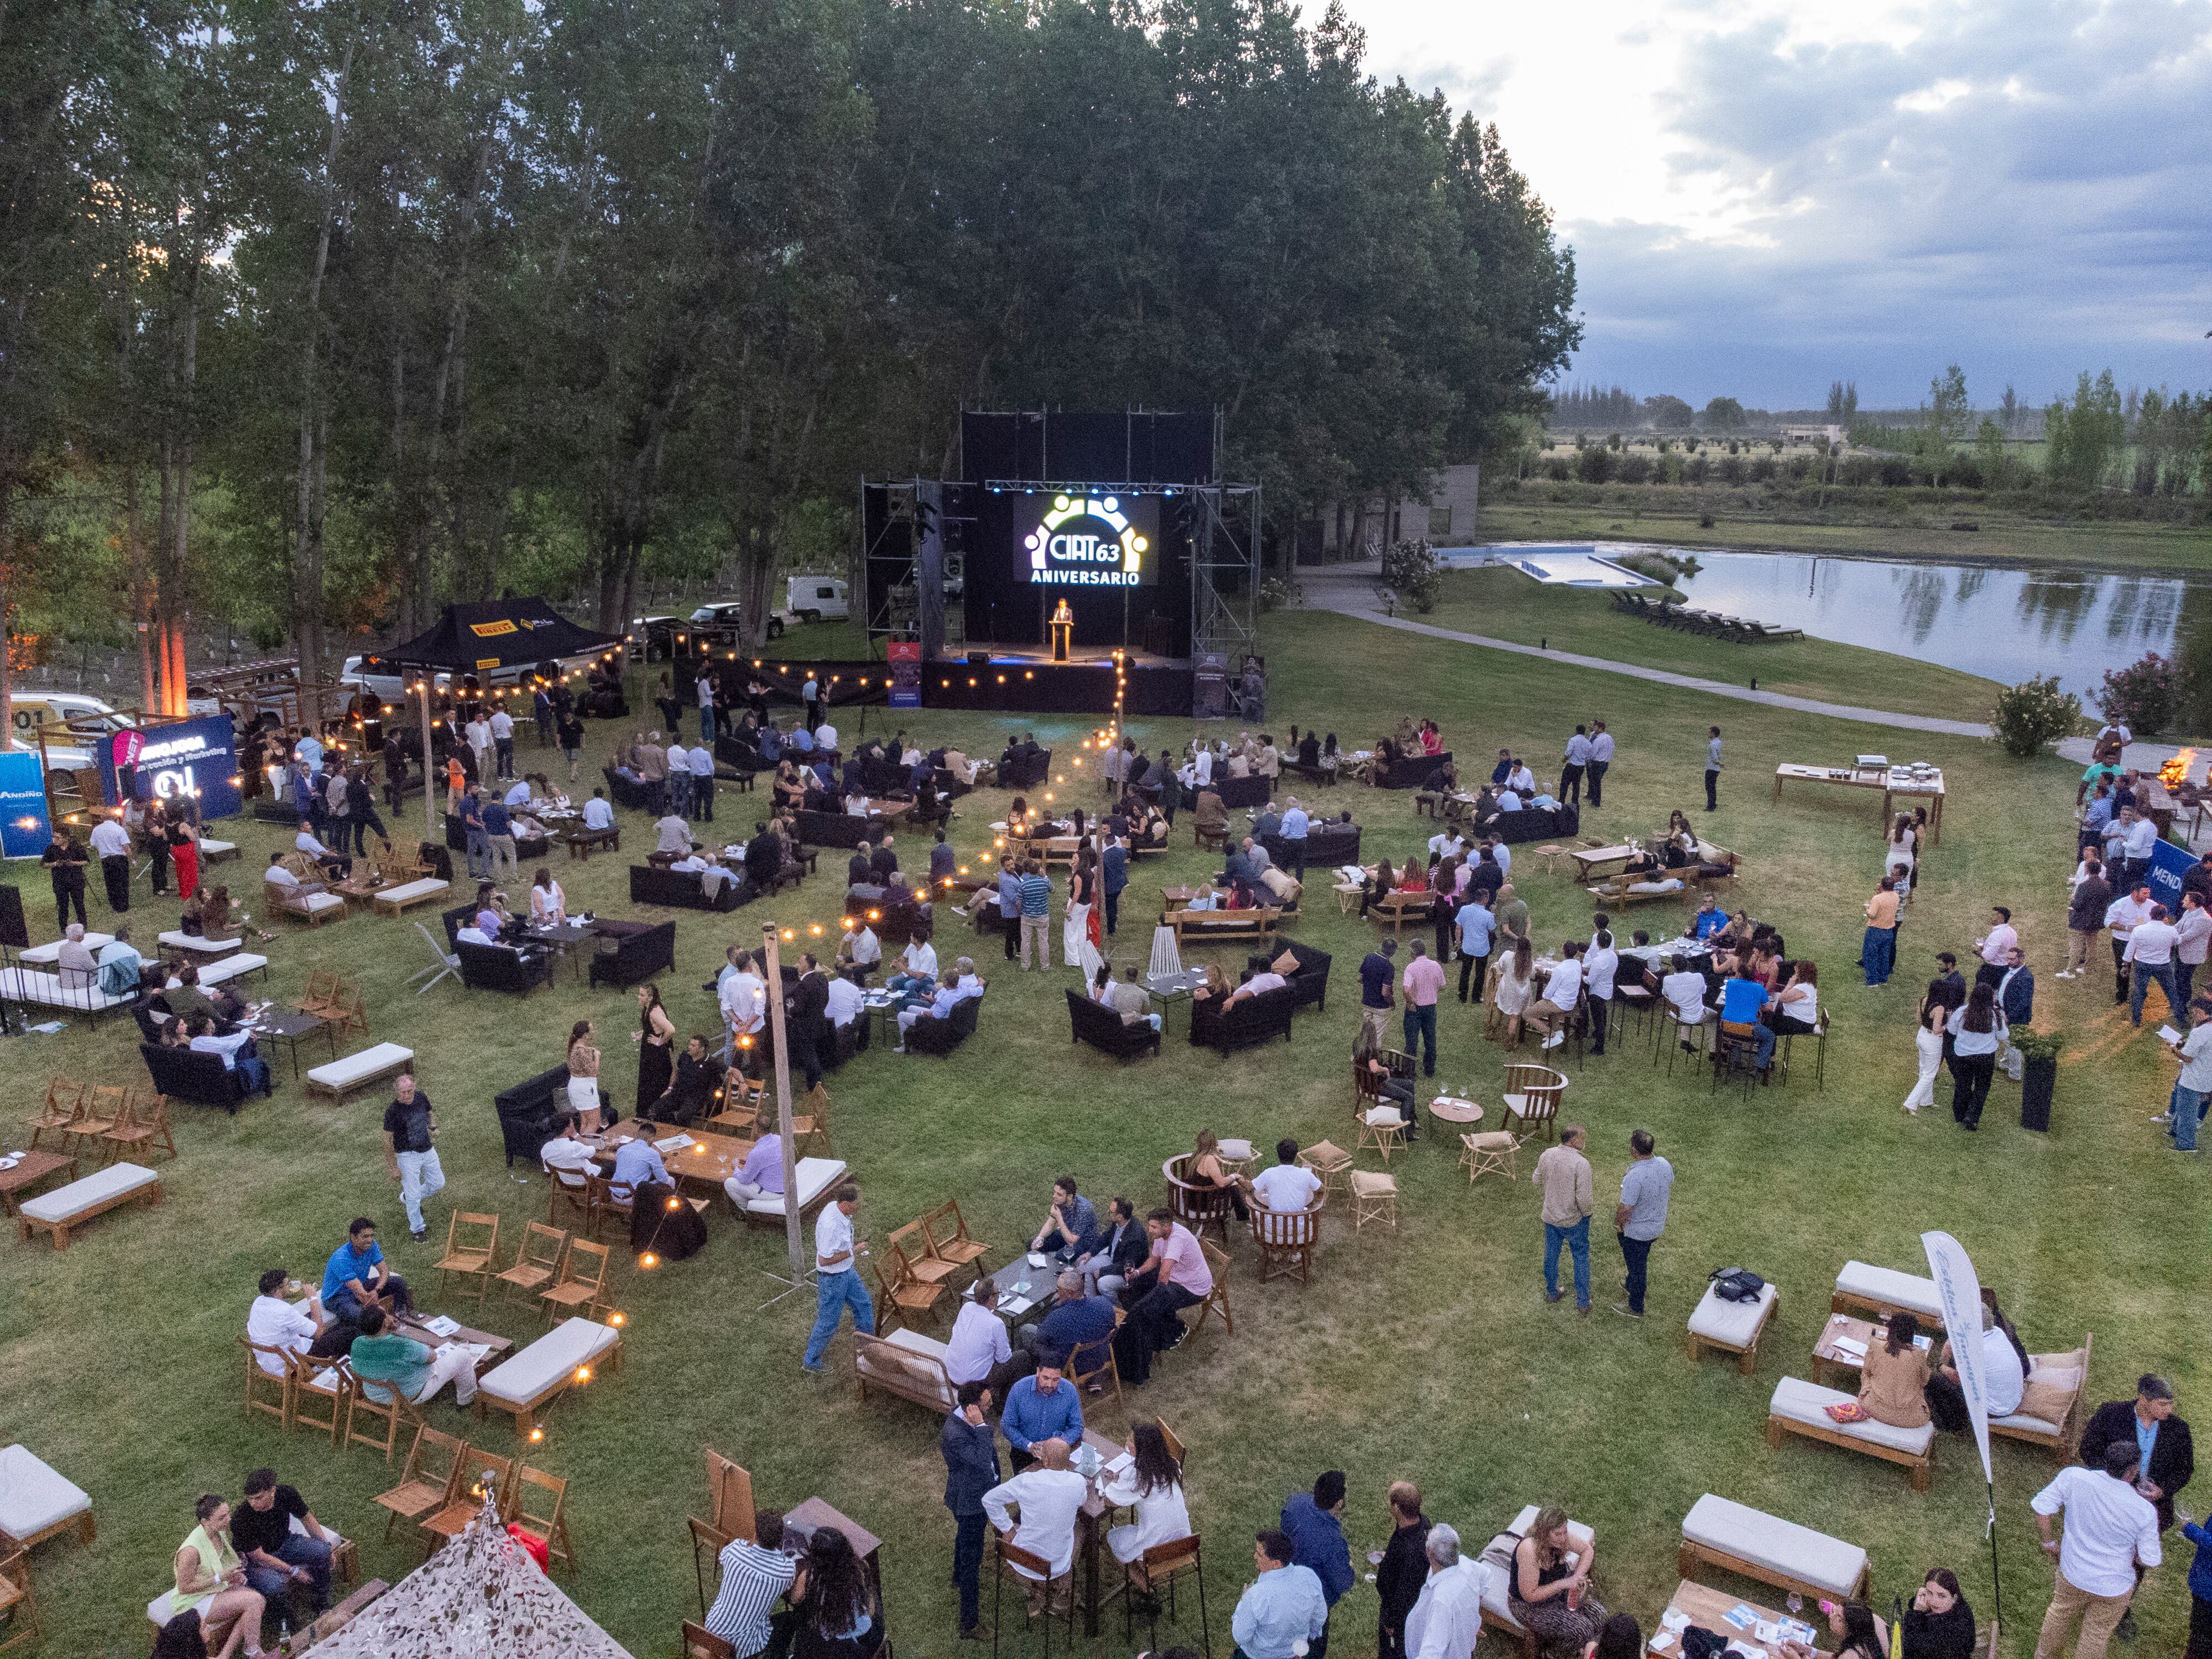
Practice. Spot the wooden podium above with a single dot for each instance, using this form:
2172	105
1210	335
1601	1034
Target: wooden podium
1062	628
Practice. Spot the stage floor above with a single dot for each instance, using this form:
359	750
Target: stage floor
1081	656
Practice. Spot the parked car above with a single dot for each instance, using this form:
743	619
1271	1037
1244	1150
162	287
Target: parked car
730	615
88	719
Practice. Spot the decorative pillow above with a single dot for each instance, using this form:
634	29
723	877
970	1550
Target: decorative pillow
1286	964
2048	1401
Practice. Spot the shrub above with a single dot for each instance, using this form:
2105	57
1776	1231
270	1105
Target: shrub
1762	469
1635	469
2033	713
1732	467
1595	464
1559	468
1412	570
1700	468
1894	471
2147	696
1858	470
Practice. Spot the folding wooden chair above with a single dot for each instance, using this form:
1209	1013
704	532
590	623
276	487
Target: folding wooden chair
1216	1299
582	1286
427	1482
570	1191
732	1486
64	1106
392	1413
471	1251
351	1012
812	1127
482	1474
700	1643
538	1262
322	993
315	1407
905	1295
104	1105
957	1245
706	1545
604	1203
145	1128
259	1383
1171	1439
911	1245
1102	1369
17	1605
550	1529
1155	1571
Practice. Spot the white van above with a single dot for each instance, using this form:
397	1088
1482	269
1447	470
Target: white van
816	598
91	718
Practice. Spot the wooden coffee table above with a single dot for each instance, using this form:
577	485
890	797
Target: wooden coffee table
35	1166
1460	1114
1178	898
1834	1367
711	1158
1710	1609
498	1346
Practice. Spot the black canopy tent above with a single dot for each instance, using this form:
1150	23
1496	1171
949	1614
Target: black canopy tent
484	638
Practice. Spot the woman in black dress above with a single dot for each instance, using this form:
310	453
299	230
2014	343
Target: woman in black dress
655	1058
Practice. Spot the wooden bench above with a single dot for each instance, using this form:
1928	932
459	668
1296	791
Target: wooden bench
1396	911
2054	1423
394	900
581	841
217	852
1255	924
359	1070
314	906
73	1206
904	1364
1497	1609
38	1502
531	1379
1732	1326
1801	1408
1736	1538
1879	1292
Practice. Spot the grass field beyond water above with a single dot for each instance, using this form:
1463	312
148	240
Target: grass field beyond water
1428	1352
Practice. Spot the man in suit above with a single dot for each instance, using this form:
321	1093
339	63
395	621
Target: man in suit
1121	1251
2162	1442
2016	988
971	1468
804	1016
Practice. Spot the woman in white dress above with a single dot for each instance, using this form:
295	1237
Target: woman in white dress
548	905
1153	1483
1075	933
1510	988
1928	1043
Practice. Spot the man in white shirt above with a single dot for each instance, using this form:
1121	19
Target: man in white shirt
477	733
1571	769
2141	839
567	1150
1448	1618
1449	844
277	873
273	1322
703	784
708	690
1049	1494
2111	1529
1290	1185
1684	991
2150	953
2122	916
1562	988
679	781
1255	985
825	736
598	814
111	845
845	1001
1599	968
917	973
1599	761
977	1351
1522	782
503	741
743	997
837	1276
860	948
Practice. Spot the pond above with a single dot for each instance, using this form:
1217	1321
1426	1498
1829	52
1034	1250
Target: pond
2002	623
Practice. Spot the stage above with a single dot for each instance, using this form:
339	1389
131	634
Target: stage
1003	654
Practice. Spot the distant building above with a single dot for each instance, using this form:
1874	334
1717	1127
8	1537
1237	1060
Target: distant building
1362	530
1813	434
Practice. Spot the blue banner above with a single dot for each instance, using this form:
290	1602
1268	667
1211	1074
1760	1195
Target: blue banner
2168	864
197	757
25	829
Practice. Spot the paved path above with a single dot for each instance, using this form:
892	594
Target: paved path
1352	594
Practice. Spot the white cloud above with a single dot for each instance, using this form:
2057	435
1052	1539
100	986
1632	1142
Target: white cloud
1764	197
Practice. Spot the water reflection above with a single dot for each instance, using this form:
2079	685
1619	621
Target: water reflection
2005	624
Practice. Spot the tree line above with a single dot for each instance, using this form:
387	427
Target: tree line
315	314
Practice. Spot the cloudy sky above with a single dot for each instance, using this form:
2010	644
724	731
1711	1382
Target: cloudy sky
1764	196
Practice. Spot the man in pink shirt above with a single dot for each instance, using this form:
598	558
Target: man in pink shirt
1175	1278
1993	944
1423	978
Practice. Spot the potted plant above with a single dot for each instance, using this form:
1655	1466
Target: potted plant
2039	1054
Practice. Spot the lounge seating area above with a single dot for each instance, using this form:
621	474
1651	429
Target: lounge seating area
1096	1024
1735	1537
1800	1407
685	889
1215	1023
575	1350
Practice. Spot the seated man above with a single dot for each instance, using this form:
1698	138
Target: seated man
860	953
755	1572
1562	988
278	1561
79	968
121	967
761	1176
357	1277
1129	1000
385	1360
568	1149
187	997
334	865
845	1002
1684	988
918	969
237	1054
948	998
673	834
1290	1186
1076	1325
1175	1276
273	1322
1040	1407
598	812
637	1164
1741	999
965	979
1071	1226
1122	1247
1709	920
1256	984
692	1092
1392	1090
277	875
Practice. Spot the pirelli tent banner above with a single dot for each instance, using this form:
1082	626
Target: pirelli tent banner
492	634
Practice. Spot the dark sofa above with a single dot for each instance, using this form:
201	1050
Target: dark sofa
500	968
840	829
631	958
200	1079
1013	775
1103	1029
683	889
623	793
1412	771
527	1110
1532	823
1311	982
1327	846
942	1037
1254	1020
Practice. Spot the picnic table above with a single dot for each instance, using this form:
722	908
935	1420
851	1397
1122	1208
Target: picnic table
1590	859
1698	1604
710	1158
1893	781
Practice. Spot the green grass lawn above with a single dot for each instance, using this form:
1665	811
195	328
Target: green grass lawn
1427	1353
2002	538
1505	605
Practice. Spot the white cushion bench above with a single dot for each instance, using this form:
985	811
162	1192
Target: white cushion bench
817	1175
341	1077
46	990
1883	1291
534	1376
1496	1576
391	901
1737	1538
907	1364
37	1502
1732	1326
1801	1408
237	965
73	1206
195	945
2049	1413
50	953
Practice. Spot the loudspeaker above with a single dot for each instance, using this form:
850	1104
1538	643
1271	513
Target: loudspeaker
978	658
13	930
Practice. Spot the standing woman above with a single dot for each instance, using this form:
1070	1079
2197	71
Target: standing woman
584	1076
1902	848
1510	990
156	837
1928	1043
1075	933
184	840
211	1582
656	1062
670	705
1444	909
1978	1032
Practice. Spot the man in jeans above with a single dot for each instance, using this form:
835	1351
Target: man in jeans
1641	1215
1563	1175
2085	918
409	1147
472	829
2123	916
2185	1110
278	1559
2110	1528
1036	908
837	1277
1423	980
2150	951
971	1468
1374	994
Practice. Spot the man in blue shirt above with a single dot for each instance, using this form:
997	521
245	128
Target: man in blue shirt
1709	921
479	838
357	1275
1477	927
1741	999
771	742
801	740
1009	903
1293	832
943	862
1113	877
1314	1522
1071	1226
1041	1406
1078	1326
1036	905
499	836
1284	1605
1376	987
637	1161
